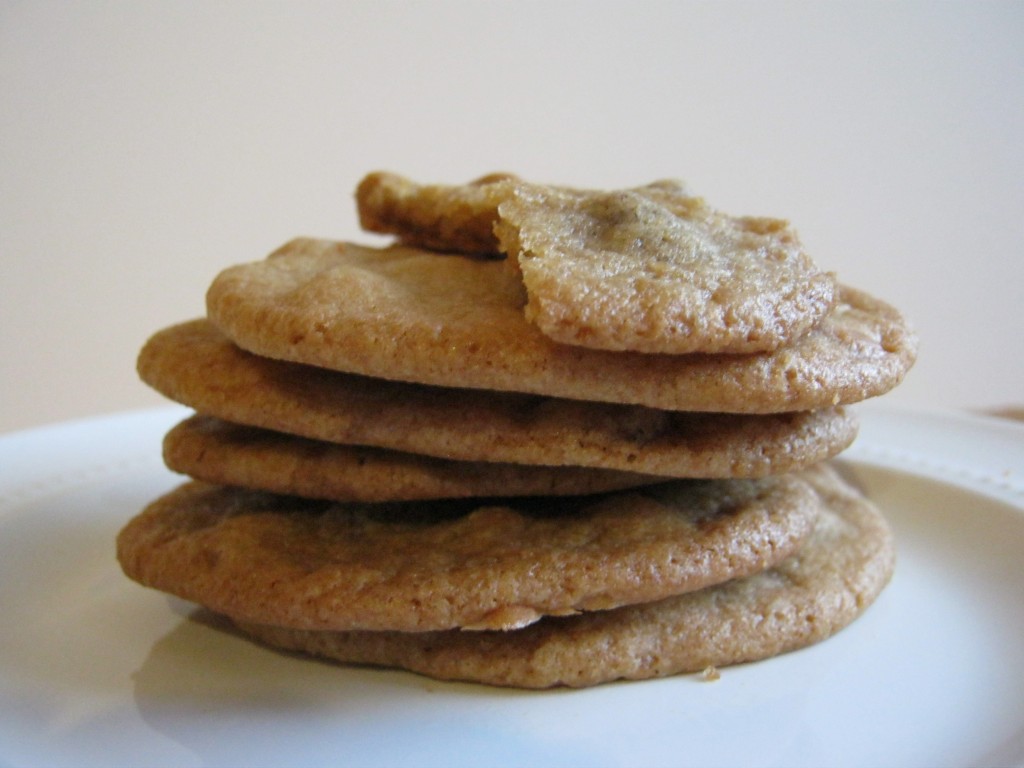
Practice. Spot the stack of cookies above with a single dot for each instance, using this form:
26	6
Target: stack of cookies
548	437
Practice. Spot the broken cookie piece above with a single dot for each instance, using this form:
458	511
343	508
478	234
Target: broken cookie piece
456	218
657	270
650	269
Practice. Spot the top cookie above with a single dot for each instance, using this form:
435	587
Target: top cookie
411	315
656	270
651	269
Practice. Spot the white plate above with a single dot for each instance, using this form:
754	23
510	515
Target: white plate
95	670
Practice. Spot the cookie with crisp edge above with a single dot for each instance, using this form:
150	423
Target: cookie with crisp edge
457	321
217	451
476	564
195	364
830	582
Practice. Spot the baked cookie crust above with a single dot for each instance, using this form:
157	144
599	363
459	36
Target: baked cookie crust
833	579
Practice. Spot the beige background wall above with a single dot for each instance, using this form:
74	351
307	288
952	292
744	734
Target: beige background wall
146	145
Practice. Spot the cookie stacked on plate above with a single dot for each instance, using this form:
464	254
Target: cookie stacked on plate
548	437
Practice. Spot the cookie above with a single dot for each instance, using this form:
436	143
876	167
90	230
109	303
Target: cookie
650	269
457	218
658	271
194	364
457	321
422	566
832	580
219	452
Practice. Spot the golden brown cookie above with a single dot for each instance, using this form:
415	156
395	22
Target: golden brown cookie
219	452
446	218
657	270
457	321
425	566
649	269
457	218
194	364
832	580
